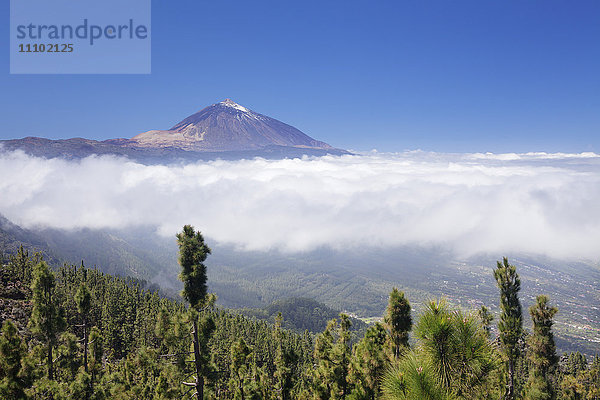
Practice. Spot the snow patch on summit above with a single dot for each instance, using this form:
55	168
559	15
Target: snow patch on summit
233	104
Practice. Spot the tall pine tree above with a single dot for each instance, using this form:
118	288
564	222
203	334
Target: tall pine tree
192	254
342	355
47	321
285	361
368	363
541	351
332	358
83	299
511	319
398	322
240	382
12	351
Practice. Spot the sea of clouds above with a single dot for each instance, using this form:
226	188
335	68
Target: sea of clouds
535	203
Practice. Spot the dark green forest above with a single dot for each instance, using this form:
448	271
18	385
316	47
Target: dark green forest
77	333
357	281
302	314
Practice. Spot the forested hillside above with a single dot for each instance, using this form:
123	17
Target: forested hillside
301	314
117	253
77	333
138	341
338	279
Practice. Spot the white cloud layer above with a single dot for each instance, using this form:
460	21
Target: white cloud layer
535	203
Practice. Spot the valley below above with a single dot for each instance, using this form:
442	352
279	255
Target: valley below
354	281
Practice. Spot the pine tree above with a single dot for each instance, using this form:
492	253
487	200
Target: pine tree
68	361
342	356
12	351
285	361
46	320
83	299
584	384
165	331
412	378
332	355
368	363
575	362
486	319
541	351
398	322
438	342
240	383
511	324
21	264
452	358
81	387
325	363
474	358
192	254
96	354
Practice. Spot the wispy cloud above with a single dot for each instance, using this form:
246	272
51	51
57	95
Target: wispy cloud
535	203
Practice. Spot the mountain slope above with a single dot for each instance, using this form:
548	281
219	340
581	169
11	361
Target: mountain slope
12	236
225	130
117	253
228	126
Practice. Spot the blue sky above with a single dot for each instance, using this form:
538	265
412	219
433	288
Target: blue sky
456	76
